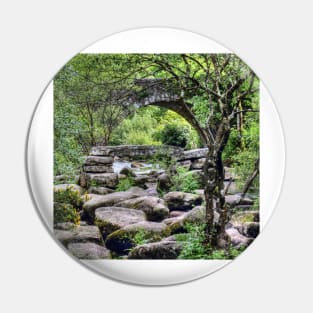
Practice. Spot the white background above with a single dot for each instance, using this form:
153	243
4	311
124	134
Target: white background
274	38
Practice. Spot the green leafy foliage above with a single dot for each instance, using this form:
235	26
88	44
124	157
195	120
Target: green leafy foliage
140	238
68	195
174	135
194	247
67	203
184	181
125	183
64	212
137	129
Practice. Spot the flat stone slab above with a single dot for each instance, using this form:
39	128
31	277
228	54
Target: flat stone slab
198	164
101	179
155	208
234	199
89	251
97	169
111	199
194	154
135	151
98	160
110	219
157	250
100	190
194	216
89	233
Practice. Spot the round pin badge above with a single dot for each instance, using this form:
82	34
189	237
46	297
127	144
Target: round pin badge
148	156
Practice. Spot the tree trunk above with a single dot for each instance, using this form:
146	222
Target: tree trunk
214	188
210	183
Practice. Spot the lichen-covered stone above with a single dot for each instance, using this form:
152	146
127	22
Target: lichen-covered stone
89	251
135	151
198	164
111	199
178	200
237	239
244	217
194	154
164	182
98	160
97	169
235	199
80	234
104	179
141	180
157	250
155	208
195	216
110	219
100	190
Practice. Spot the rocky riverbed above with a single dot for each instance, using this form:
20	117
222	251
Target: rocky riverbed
141	222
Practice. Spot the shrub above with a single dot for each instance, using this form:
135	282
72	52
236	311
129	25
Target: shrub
175	135
69	196
67	203
194	247
64	212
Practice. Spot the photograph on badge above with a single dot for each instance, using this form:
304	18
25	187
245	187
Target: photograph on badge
156	156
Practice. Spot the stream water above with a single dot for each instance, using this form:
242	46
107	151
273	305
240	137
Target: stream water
144	168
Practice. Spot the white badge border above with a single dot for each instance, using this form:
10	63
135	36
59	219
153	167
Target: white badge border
40	156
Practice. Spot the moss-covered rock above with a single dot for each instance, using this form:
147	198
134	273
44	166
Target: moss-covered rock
110	219
109	180
78	234
124	239
178	200
164	182
100	190
89	251
245	217
194	216
97	201
155	208
157	250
